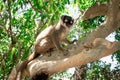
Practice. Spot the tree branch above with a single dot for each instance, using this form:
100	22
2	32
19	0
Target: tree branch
40	11
96	10
10	26
78	54
100	50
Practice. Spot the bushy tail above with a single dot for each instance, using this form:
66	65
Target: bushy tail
23	65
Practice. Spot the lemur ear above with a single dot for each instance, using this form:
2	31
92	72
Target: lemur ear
62	17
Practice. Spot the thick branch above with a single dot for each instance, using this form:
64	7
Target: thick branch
78	54
118	16
52	66
49	65
96	10
86	56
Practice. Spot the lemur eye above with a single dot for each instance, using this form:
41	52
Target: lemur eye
66	20
71	22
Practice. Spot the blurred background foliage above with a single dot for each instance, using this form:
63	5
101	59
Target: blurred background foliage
22	20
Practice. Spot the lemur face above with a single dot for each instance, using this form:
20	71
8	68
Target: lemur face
67	21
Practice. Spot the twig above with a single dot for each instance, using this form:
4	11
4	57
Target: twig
77	19
10	28
36	9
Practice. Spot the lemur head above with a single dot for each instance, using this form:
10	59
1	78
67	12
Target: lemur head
67	21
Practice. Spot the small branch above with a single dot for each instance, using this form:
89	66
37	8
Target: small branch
40	11
9	11
4	28
10	26
77	19
96	10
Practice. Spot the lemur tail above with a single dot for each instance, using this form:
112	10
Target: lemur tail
23	65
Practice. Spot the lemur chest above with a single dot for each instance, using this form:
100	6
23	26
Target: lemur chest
63	34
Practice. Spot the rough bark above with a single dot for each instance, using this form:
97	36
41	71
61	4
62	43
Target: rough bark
80	73
78	55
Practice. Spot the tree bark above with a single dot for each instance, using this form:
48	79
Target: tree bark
80	72
78	54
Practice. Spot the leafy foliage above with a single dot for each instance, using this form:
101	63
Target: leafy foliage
117	53
62	75
22	20
101	70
